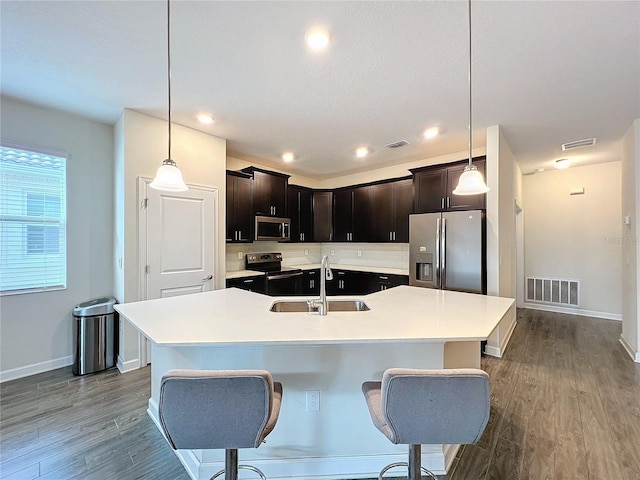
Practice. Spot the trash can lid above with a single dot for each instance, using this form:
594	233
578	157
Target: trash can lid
97	306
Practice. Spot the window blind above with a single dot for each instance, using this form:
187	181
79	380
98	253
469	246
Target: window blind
32	221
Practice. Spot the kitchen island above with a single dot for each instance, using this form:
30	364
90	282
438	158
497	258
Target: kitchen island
233	329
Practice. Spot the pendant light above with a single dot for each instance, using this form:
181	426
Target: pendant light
169	176
471	181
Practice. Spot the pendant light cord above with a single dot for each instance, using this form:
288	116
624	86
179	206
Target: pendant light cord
169	69
470	112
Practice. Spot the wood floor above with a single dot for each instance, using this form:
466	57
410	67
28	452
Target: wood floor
565	405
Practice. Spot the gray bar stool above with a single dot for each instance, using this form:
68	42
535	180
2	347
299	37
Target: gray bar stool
216	409
417	407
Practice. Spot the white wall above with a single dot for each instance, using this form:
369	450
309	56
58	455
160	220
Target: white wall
141	143
630	336
577	236
36	328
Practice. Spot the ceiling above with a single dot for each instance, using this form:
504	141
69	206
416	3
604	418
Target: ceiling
548	72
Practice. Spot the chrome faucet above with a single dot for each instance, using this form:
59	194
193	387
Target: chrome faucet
321	304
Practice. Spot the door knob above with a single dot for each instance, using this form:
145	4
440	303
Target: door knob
206	279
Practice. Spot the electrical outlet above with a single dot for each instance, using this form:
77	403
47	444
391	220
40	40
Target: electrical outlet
240	255
313	400
333	252
306	251
359	253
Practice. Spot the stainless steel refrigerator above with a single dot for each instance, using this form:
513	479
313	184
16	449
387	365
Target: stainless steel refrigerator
448	251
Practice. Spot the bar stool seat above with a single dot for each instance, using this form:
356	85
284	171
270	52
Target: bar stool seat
219	409
417	407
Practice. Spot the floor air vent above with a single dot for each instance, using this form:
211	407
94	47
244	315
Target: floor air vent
553	291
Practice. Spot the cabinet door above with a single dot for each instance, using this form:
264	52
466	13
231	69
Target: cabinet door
243	201
232	231
342	215
305	211
403	207
293	212
322	216
239	209
311	282
361	219
278	195
382	213
430	190
464	202
270	194
262	193
300	211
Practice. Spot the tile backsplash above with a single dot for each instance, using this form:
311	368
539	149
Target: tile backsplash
390	255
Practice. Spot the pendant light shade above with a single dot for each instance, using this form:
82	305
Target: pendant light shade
169	176
471	181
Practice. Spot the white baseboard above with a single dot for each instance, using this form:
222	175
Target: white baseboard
574	311
129	365
315	468
635	356
41	367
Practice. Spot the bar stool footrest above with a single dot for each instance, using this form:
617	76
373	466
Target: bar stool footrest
242	467
404	464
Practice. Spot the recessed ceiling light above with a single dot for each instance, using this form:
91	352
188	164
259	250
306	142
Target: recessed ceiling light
317	38
430	133
288	157
562	163
205	118
362	152
541	169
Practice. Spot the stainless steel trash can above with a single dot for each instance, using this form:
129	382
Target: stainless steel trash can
94	336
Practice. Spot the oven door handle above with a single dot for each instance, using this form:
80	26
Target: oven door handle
280	276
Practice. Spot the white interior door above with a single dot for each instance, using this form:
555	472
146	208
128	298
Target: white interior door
180	242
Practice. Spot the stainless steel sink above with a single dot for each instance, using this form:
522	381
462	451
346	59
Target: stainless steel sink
334	306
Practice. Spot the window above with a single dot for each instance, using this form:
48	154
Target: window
32	221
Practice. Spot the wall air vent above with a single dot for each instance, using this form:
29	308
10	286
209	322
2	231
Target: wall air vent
553	291
587	142
398	144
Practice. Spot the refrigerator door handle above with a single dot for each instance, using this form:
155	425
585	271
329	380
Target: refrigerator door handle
437	267
443	241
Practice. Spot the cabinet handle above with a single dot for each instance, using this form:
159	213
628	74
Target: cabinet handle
330	236
383	277
394	236
442	202
448	202
302	237
390	236
248	281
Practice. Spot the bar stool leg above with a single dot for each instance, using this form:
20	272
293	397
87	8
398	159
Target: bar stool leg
231	466
414	461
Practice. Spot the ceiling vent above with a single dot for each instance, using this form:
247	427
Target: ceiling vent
587	142
398	144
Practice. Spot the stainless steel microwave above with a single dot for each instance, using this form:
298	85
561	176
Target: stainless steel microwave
272	228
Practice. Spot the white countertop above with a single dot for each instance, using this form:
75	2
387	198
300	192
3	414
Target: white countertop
233	316
312	266
356	268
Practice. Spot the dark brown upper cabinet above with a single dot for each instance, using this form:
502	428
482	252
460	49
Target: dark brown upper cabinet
300	211
352	214
239	207
322	215
391	205
434	185
269	192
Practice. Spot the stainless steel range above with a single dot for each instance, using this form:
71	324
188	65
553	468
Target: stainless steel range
280	281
